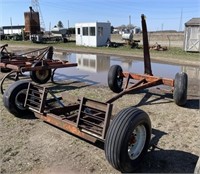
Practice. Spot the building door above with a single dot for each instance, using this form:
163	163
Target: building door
193	39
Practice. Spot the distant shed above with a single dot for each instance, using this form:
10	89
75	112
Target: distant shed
192	35
15	29
92	34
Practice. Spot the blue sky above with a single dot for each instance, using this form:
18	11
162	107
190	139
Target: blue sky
161	14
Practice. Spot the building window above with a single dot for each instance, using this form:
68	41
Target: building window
85	31
78	30
92	31
100	31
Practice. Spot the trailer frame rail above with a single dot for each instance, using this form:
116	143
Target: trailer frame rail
87	116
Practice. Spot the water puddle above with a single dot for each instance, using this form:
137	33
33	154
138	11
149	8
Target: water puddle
94	68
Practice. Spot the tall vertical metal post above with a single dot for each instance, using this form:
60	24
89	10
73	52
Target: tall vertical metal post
11	26
147	61
36	7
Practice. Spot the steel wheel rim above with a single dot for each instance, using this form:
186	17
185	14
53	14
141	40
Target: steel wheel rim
42	74
119	80
137	142
20	98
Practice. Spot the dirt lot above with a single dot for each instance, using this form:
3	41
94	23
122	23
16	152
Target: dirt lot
31	146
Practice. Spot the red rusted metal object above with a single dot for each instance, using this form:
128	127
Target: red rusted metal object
65	125
147	61
88	119
21	66
18	64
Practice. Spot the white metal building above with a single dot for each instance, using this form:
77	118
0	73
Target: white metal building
15	29
192	35
92	34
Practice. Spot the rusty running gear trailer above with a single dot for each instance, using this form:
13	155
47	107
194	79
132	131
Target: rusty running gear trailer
146	80
126	137
137	82
40	66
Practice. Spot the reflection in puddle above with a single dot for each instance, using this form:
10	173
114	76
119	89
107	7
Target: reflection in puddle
92	63
94	68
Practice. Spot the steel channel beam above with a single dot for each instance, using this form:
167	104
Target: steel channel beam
148	78
65	125
147	60
38	68
136	87
28	66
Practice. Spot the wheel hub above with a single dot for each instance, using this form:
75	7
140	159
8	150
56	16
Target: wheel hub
20	98
137	142
42	74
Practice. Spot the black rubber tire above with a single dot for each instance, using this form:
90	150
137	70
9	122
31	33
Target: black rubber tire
119	135
115	80
14	98
41	76
180	89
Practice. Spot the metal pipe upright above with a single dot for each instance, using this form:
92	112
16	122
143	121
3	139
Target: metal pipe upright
147	61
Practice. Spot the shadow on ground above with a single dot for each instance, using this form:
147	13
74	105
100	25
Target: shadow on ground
192	102
168	161
160	160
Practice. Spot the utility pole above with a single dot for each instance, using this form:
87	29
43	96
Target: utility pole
11	26
181	18
36	7
129	22
49	28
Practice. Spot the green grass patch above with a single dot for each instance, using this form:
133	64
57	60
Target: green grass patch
173	52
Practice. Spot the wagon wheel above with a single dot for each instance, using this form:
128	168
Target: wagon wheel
127	139
40	76
14	98
180	89
115	80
